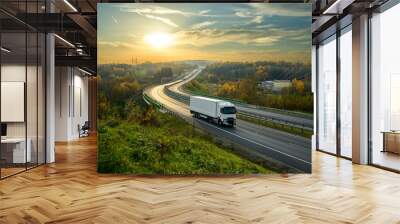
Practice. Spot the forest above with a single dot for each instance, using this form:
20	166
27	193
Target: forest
242	81
121	84
136	138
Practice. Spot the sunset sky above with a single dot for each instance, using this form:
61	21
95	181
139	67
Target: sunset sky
211	31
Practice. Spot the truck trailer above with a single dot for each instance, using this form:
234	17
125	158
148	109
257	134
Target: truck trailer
214	110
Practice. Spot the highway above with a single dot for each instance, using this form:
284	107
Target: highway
283	117
258	141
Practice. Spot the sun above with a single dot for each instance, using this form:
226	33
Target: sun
158	40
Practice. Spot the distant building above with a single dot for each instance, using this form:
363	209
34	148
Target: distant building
118	69
275	85
266	84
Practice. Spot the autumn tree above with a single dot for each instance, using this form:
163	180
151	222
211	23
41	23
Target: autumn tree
261	73
228	89
298	86
247	89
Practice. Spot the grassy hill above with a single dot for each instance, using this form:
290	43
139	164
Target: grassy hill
166	146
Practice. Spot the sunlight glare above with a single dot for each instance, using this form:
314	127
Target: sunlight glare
158	40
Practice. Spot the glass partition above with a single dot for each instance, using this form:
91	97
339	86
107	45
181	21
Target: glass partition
22	88
385	89
14	153
327	95
346	92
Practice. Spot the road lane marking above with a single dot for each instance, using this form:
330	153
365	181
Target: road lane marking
160	87
204	122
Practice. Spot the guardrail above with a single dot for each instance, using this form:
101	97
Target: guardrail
177	96
277	158
252	106
185	99
150	101
276	121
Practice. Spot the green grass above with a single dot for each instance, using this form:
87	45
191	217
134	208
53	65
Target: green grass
281	127
172	147
195	91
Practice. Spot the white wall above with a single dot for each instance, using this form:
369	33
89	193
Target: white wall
81	103
13	72
62	83
71	94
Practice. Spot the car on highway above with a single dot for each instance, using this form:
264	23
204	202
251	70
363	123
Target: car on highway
214	110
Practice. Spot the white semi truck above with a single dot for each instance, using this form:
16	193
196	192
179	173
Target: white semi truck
214	110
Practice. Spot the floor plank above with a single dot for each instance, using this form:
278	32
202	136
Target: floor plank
71	191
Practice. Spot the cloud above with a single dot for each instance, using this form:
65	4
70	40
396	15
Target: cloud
228	31
114	19
266	26
266	40
259	10
117	44
153	10
246	14
203	24
205	37
162	19
291	33
288	9
257	19
243	14
266	36
300	37
204	12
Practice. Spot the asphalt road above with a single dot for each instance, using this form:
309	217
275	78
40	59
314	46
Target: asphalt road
292	150
289	118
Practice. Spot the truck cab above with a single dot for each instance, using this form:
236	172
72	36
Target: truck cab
227	113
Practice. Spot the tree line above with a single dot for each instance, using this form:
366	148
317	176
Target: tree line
120	86
242	81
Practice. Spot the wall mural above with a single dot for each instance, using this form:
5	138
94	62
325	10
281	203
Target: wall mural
190	88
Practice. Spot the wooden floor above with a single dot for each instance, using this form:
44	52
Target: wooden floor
5	172
70	191
387	159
